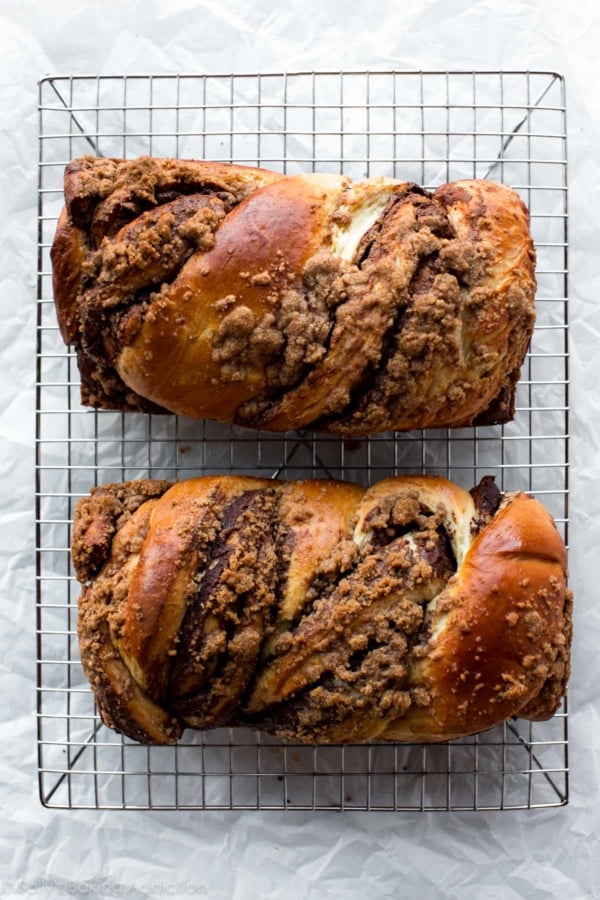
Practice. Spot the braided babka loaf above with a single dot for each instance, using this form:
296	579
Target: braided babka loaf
320	611
282	302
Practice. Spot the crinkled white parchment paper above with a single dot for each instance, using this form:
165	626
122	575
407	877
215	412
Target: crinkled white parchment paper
270	855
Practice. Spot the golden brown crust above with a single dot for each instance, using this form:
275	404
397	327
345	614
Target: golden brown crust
123	704
69	251
466	327
482	668
320	611
238	294
250	262
182	526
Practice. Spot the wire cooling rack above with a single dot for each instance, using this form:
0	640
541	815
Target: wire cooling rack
428	127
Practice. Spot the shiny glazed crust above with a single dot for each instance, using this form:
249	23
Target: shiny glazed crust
284	302
320	611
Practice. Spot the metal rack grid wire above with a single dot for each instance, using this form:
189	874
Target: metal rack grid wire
428	127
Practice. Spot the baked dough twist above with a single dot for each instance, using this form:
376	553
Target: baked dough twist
320	611
223	292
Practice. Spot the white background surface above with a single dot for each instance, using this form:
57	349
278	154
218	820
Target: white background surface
270	855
